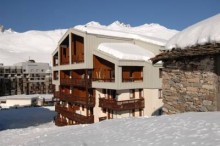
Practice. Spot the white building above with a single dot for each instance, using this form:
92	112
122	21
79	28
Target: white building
100	74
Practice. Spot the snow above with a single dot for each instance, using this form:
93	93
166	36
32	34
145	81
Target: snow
151	33
206	31
38	45
126	51
181	129
25	117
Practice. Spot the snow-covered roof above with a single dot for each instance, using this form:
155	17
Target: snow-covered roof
22	96
31	96
151	33
206	31
125	51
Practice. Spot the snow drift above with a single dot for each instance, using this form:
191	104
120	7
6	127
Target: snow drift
206	31
181	129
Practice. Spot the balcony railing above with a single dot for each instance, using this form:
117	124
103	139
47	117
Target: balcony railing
76	82
132	79
64	61
74	116
56	94
78	58
60	122
104	79
78	99
121	105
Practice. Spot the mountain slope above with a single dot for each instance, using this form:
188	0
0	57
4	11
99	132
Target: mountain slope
39	45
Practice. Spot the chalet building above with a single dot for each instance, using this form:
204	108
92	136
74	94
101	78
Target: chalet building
192	69
98	77
26	78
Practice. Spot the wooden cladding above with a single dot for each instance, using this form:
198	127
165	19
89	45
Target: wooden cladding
77	49
103	70
132	73
121	105
64	55
76	82
78	96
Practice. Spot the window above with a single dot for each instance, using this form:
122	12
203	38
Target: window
160	72
160	93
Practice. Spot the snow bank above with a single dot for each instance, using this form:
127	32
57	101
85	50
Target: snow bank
206	31
126	51
151	33
182	129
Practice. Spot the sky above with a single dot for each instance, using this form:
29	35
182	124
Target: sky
24	15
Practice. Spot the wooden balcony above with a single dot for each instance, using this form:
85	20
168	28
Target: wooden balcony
78	58
121	105
56	94
104	79
76	82
60	122
70	114
78	100
132	79
64	61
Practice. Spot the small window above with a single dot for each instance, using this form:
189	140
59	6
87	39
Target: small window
160	73
160	93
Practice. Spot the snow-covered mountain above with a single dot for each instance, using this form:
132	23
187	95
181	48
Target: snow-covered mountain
39	45
180	129
152	33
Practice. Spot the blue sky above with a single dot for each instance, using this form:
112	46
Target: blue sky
24	15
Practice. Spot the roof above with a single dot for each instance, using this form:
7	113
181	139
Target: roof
200	39
206	31
152	33
22	97
125	51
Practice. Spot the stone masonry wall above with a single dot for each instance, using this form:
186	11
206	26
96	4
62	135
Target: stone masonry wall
190	84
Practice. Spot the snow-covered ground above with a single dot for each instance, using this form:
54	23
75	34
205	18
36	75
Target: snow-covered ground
182	129
25	117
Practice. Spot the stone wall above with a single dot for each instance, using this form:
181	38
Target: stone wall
190	84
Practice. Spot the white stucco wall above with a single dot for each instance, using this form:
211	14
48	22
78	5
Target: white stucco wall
97	111
152	101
